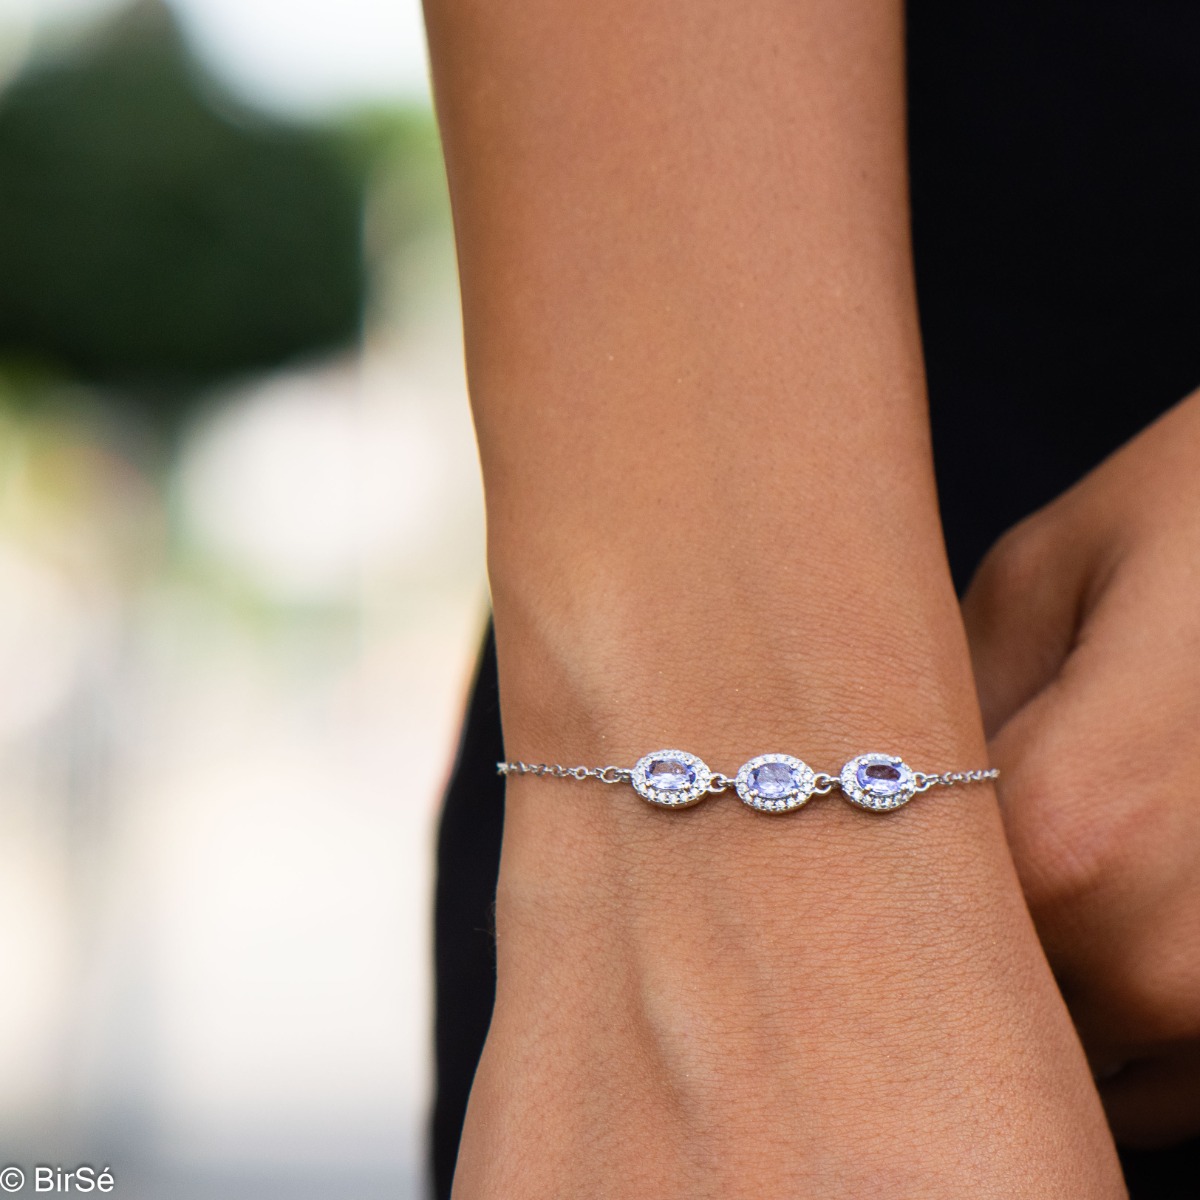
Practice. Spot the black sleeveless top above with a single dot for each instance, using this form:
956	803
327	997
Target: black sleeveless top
1055	155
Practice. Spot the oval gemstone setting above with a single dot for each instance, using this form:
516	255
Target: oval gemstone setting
671	778
671	774
775	783
878	782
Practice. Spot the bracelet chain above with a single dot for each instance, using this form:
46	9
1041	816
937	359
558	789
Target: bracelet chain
558	771
824	783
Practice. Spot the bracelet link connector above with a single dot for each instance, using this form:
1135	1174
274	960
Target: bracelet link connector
770	783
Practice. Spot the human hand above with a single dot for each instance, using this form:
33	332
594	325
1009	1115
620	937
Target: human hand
1084	624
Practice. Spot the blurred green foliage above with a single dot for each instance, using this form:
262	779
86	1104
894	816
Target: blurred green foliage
157	238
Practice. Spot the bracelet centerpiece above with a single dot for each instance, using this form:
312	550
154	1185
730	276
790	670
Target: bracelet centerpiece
775	783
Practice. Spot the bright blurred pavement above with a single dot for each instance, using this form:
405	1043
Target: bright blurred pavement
237	616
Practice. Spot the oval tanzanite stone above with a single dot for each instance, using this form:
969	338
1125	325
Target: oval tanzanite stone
880	778
670	775
773	780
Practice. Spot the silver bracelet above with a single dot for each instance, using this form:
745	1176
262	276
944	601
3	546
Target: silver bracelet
771	783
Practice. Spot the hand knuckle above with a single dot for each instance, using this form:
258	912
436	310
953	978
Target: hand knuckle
1010	568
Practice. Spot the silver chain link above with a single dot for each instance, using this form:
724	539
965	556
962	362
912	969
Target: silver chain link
950	778
558	771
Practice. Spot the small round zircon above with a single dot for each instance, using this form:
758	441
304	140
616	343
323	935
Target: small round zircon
775	783
671	778
878	781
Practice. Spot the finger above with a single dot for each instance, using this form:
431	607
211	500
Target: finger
1058	820
1021	614
1155	1102
1097	802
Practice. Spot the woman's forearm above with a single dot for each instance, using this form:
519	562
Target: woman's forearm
693	352
695	368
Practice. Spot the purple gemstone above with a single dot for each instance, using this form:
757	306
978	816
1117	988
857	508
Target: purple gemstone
670	775
773	780
880	778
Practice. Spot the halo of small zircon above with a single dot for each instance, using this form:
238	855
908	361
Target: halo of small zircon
878	782
775	783
671	778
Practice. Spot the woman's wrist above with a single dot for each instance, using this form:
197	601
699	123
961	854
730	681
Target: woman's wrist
818	666
881	967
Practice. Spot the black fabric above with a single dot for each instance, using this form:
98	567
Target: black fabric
468	862
1055	153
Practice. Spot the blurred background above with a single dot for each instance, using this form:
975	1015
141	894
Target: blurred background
241	584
